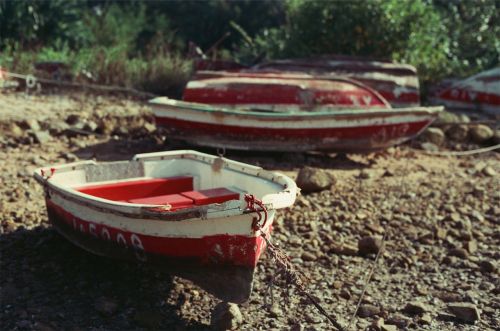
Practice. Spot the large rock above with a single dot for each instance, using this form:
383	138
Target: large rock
434	135
445	117
313	179
226	316
458	132
481	133
464	311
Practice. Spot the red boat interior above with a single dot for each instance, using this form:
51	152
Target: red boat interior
174	191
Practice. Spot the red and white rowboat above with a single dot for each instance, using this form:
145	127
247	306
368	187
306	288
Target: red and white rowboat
397	83
327	129
187	212
273	91
480	92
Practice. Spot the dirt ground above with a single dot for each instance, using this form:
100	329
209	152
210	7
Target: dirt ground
441	216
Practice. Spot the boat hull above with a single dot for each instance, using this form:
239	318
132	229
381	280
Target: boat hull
221	264
397	83
479	93
351	131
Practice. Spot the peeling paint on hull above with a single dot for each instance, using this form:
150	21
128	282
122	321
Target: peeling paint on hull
347	131
480	92
225	281
398	83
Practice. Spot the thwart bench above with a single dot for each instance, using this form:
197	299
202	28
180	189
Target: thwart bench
174	191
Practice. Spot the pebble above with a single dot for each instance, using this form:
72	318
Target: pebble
459	252
415	308
368	310
434	135
42	137
426	319
429	147
481	133
226	316
369	245
275	311
471	246
489	171
308	256
487	266
464	311
458	132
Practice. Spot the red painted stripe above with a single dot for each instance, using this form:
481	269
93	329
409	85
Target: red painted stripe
251	93
362	132
220	249
464	95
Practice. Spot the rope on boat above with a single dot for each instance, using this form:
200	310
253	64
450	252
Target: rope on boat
464	153
292	273
32	82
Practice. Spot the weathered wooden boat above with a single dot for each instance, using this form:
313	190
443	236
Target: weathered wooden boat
327	129
273	91
397	83
479	93
192	214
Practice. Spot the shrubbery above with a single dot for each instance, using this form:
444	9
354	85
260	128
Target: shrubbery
141	44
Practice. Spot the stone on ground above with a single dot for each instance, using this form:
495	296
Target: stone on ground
458	132
226	316
313	180
434	135
464	311
481	133
369	245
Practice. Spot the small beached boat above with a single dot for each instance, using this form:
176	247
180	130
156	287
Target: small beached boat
397	83
479	93
325	129
192	214
274	91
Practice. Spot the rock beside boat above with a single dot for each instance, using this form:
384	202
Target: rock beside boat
313	180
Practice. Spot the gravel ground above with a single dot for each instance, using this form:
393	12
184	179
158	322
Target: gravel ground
440	215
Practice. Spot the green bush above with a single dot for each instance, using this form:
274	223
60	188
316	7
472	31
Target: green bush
439	37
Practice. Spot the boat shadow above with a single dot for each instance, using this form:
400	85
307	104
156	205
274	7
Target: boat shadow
48	282
123	149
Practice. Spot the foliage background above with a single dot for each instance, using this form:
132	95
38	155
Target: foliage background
145	44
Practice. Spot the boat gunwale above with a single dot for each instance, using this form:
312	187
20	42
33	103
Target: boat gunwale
155	212
334	112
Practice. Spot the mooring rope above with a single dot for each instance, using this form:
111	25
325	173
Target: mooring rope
463	153
297	277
